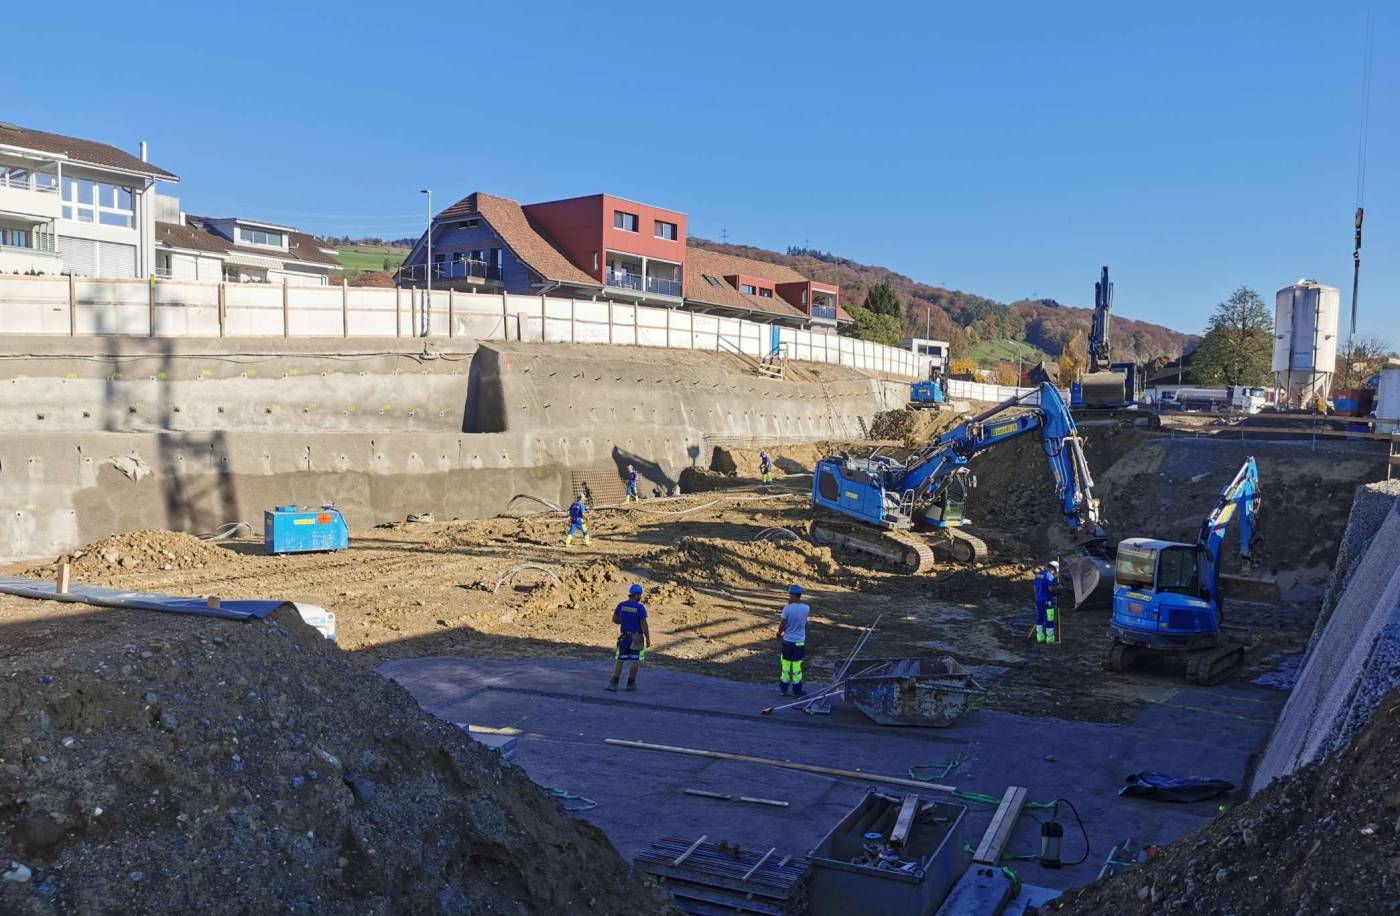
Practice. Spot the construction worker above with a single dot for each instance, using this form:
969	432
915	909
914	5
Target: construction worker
576	523
632	485
587	495
1046	583
633	638
792	634
765	466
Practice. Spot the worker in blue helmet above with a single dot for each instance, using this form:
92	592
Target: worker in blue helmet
1047	583
576	523
632	485
765	466
792	634
633	638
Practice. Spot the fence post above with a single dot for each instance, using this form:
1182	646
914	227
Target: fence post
451	309
573	331
636	342
223	309
398	311
521	324
344	308
668	328
286	311
610	321
151	305
505	315
72	308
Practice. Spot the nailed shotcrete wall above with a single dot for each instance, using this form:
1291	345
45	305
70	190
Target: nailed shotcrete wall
1353	660
124	433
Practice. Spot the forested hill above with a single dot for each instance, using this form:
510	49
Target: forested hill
967	320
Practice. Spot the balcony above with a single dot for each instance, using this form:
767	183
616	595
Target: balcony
646	276
663	286
624	279
29	192
464	270
824	312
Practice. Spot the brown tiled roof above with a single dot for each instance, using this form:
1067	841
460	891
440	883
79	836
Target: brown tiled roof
196	235
525	237
83	151
701	261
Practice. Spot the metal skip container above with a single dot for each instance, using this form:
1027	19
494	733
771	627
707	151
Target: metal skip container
912	880
912	691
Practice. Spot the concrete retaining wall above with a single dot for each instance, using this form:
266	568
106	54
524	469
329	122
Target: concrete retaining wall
106	436
1353	660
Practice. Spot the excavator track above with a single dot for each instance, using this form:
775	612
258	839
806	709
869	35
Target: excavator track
1211	666
912	552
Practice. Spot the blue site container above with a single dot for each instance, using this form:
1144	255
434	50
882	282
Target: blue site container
840	887
302	529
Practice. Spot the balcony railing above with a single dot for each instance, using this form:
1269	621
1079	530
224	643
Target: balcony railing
663	287
827	312
451	270
26	182
626	279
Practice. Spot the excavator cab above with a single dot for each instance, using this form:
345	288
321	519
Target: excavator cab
947	510
1161	594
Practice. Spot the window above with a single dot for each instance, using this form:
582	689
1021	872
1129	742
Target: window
765	293
1136	567
1177	571
627	222
713	281
14	238
665	230
260	236
748	289
98	202
471	223
14	178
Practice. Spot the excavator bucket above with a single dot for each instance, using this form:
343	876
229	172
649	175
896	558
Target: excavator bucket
1092	578
1254	589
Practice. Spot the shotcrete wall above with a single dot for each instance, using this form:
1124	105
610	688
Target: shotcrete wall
123	433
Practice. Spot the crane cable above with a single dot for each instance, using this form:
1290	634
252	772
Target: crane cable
1368	56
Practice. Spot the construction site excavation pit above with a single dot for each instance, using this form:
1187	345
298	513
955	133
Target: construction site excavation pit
166	763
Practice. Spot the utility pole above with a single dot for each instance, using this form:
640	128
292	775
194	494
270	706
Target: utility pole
428	303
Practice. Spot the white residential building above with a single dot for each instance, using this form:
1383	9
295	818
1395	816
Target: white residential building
73	206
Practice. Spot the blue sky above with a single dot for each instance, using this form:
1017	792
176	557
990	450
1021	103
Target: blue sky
1006	149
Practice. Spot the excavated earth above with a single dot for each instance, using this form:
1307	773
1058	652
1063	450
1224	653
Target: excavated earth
170	764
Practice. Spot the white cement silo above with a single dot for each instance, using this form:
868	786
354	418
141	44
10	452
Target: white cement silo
1305	341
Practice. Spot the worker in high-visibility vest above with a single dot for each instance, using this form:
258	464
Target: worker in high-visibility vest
765	466
633	638
792	637
577	525
632	485
1046	583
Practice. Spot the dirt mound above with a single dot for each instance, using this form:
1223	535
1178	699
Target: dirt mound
1323	840
787	459
253	768
710	561
142	551
912	427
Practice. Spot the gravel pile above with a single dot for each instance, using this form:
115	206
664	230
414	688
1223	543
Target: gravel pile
143	551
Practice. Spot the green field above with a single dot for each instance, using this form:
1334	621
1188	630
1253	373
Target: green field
370	257
1008	350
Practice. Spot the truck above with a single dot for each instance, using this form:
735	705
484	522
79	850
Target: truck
1233	398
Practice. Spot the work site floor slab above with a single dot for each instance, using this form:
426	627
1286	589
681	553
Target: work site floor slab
563	716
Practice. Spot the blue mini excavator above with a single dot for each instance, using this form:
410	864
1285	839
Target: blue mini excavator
900	511
1167	596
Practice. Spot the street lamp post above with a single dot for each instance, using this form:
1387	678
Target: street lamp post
428	270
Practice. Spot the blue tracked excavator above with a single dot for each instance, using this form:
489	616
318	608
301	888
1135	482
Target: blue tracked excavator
1167	599
902	511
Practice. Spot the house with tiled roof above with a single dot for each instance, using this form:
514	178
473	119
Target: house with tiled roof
239	250
605	247
75	206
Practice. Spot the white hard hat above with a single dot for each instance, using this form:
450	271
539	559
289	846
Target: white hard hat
1054	564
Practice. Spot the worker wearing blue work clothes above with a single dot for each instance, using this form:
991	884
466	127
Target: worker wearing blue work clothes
1046	583
576	523
792	633
632	485
765	466
633	638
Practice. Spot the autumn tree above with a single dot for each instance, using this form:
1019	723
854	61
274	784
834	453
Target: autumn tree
1239	342
1006	373
868	325
1360	359
1074	358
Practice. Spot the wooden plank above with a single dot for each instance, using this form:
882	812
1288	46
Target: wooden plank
777	889
785	764
759	864
776	803
701	793
1003	824
686	855
905	820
